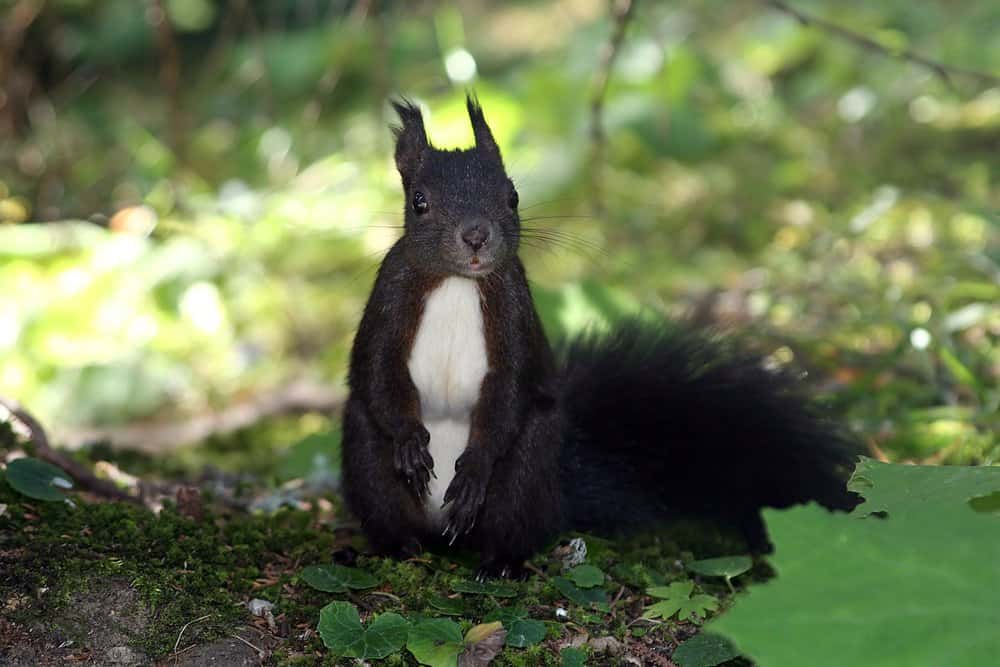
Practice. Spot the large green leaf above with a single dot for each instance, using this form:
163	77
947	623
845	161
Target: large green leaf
918	587
341	630
38	479
435	642
916	490
337	578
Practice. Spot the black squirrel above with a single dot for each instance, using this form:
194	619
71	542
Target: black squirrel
462	425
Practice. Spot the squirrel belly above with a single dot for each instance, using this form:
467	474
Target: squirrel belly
447	363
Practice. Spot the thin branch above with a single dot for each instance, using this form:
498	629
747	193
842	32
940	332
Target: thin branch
622	11
170	70
186	625
943	71
84	478
297	397
354	23
257	42
16	82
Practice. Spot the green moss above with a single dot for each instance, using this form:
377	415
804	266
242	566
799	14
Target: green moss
185	570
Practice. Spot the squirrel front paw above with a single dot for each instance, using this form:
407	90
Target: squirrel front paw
411	457
466	494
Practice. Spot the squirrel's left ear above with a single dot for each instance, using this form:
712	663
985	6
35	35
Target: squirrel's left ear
411	138
484	138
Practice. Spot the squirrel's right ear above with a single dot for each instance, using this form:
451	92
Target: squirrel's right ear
411	139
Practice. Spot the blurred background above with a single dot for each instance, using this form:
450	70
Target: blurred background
195	195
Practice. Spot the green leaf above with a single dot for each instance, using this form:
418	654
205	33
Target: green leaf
38	479
446	605
573	657
435	642
726	566
582	596
677	599
482	632
521	630
958	370
922	582
341	630
337	578
676	590
494	588
914	490
705	649
586	576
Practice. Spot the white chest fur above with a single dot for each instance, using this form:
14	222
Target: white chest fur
447	364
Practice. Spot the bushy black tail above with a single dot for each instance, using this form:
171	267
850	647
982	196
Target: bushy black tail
675	422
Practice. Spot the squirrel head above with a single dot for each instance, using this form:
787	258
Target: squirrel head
461	207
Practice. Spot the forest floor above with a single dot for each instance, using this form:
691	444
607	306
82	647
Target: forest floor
116	583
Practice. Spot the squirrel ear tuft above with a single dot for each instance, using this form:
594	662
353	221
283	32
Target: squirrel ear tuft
484	137
411	138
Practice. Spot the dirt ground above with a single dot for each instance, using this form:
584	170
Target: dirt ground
105	625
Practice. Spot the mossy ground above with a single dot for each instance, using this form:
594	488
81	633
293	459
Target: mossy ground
185	569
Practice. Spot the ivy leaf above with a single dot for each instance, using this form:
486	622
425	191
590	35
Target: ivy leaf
705	649
677	599
586	576
341	630
726	566
38	479
435	642
582	596
521	630
446	605
494	588
337	578
573	657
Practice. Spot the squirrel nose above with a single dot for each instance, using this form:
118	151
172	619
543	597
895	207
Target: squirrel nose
476	235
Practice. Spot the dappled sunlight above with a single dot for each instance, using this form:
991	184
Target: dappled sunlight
817	193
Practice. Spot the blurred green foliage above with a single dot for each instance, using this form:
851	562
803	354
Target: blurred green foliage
222	179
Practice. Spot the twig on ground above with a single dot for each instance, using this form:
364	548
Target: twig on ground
532	568
40	441
622	11
618	596
943	71
260	652
186	625
297	397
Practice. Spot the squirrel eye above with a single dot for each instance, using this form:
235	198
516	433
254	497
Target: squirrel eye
420	204
514	199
